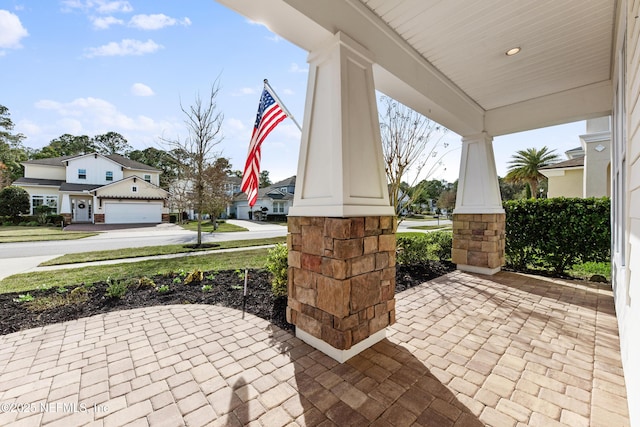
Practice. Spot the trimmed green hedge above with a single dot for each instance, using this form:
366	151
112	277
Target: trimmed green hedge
557	233
415	248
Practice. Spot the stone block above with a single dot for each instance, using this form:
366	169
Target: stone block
311	262
345	323
357	227
474	245
296	242
371	223
333	296
494	260
341	340
371	244
304	279
382	260
293	304
336	268
459	256
293	259
305	295
460	244
378	323
387	242
489	247
387	290
478	259
391	304
328	245
293	224
380	309
388	273
365	291
309	325
360	333
337	228
312	240
463	217
363	264
386	222
346	249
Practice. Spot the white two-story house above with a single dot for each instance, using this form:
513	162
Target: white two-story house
96	188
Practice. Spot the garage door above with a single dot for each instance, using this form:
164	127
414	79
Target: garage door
132	213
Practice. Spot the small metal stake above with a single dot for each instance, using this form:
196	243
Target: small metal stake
244	295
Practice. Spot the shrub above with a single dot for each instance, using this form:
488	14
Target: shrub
194	276
557	233
277	265
14	201
116	288
416	248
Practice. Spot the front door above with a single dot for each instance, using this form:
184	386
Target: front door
82	213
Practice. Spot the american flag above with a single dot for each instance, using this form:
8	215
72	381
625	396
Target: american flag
270	113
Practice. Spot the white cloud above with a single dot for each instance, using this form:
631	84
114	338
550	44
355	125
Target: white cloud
11	30
156	21
288	92
104	23
141	89
244	91
127	47
295	68
235	124
99	6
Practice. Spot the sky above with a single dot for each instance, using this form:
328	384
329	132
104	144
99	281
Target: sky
87	67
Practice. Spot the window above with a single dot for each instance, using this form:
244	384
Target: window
278	207
82	174
109	176
134	189
147	178
51	201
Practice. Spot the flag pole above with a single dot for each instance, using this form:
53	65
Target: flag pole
273	92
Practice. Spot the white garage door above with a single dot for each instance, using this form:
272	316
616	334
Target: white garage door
132	213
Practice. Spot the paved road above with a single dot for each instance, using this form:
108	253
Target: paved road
23	256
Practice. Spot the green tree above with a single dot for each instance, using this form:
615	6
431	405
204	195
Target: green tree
525	164
264	179
67	145
216	196
12	152
14	201
511	190
111	143
169	162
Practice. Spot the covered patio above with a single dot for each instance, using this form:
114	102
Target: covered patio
466	350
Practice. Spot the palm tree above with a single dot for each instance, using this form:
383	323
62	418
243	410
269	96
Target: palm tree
525	164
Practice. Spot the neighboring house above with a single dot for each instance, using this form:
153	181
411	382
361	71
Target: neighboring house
182	196
275	199
96	188
587	173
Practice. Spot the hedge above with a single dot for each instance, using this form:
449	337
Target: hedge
416	248
557	233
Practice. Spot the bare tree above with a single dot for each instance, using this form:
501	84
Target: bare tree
204	126
410	143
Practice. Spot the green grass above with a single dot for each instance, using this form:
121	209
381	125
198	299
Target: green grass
12	234
207	227
588	269
155	250
432	227
72	277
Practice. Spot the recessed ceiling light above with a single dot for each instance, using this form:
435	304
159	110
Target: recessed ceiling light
513	51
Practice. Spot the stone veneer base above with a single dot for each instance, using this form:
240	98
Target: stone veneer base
478	242
340	356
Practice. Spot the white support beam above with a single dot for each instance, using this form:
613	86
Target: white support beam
564	107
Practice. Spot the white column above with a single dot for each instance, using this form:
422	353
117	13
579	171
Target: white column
341	169
478	188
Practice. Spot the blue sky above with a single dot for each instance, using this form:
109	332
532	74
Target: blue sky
86	67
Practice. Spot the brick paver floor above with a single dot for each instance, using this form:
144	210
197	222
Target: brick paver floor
467	350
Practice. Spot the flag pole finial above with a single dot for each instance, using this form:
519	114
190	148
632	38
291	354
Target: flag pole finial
266	81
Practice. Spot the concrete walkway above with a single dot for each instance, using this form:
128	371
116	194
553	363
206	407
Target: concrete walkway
467	350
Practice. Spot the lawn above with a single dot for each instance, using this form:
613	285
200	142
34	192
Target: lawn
156	250
207	227
71	277
11	234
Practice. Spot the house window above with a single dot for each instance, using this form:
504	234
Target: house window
134	189
109	176
82	174
278	207
147	178
51	201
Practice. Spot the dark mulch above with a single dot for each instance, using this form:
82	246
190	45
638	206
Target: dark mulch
226	290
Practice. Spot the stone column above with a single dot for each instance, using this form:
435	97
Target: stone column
478	219
341	225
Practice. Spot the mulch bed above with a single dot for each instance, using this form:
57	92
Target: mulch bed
226	290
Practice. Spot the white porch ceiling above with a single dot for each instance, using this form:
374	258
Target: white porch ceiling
446	58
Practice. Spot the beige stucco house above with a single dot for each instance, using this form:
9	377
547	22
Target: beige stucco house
96	188
481	69
587	172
